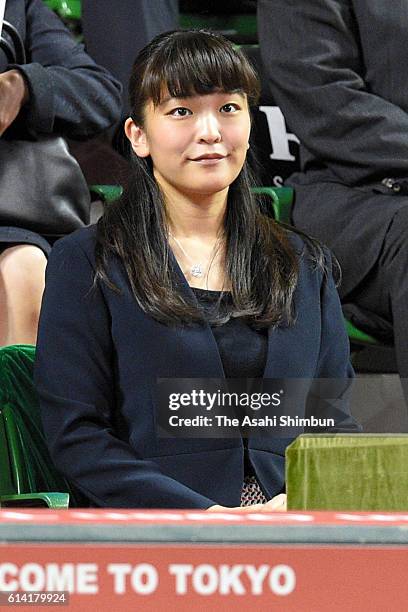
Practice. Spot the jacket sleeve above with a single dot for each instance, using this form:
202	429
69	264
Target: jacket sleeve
75	380
315	63
69	93
331	391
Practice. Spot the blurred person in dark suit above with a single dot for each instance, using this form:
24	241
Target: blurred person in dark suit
339	71
114	33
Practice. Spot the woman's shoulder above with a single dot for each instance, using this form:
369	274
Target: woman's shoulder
297	241
313	256
75	256
303	245
81	242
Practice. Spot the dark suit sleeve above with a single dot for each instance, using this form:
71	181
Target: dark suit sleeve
314	60
114	43
69	93
75	380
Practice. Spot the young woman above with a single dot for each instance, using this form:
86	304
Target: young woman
181	278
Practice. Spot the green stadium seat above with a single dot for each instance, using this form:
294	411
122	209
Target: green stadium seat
106	193
66	9
240	28
281	199
27	475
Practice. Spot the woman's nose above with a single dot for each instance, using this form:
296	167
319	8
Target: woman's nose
209	128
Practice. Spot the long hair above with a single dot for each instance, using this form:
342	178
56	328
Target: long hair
261	263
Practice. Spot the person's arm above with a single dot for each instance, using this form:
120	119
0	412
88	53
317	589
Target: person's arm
74	375
316	68
13	96
331	391
68	93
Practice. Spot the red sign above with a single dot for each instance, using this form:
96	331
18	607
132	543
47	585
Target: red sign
208	577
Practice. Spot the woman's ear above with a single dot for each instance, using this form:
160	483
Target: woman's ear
137	138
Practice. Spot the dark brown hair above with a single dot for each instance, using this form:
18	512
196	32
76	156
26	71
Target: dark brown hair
261	263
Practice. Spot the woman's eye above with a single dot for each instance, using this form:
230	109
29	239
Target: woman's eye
229	108
180	112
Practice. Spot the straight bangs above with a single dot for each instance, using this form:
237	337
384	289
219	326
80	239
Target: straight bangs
192	63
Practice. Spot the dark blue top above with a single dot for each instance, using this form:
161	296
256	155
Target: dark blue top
98	359
242	349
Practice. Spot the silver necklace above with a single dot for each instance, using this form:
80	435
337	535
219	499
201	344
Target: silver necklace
196	268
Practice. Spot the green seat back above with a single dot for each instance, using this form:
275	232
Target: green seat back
26	466
67	9
107	193
240	28
7	486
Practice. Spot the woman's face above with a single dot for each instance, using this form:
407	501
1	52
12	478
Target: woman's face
197	144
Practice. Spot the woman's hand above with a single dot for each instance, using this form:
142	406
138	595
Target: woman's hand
13	95
276	504
244	509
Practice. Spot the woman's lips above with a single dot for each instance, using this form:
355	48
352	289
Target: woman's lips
209	160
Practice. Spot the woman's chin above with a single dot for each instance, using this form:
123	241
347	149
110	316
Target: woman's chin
209	188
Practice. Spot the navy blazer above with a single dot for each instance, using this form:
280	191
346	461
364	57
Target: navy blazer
98	359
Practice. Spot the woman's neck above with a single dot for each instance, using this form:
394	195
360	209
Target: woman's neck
196	215
196	236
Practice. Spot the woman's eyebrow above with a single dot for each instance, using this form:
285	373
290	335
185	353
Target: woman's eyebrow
168	98
174	98
165	100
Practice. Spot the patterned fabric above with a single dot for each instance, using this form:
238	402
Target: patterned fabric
251	492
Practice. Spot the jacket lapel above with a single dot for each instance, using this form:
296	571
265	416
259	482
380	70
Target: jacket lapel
203	358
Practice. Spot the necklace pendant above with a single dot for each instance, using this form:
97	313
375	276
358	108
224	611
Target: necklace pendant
196	270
